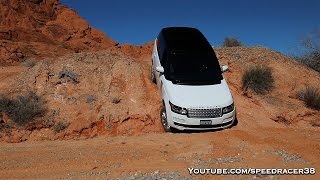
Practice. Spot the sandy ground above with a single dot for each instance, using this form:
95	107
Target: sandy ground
164	155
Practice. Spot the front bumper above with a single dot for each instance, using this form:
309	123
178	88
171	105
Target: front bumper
182	122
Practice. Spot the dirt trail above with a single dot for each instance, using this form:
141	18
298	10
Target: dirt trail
164	155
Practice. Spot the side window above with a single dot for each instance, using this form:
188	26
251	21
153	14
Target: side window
163	50
158	46
164	58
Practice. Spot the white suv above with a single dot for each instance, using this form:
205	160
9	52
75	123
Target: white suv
194	94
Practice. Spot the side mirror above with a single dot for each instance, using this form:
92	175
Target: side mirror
160	69
224	68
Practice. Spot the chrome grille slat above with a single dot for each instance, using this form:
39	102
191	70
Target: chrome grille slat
205	113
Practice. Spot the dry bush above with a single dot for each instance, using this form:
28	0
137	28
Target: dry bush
23	109
60	126
91	98
231	42
311	60
310	47
4	103
69	75
310	96
116	100
258	78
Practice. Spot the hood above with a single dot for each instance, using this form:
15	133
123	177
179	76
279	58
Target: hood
201	96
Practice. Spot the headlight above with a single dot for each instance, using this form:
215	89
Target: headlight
228	109
178	109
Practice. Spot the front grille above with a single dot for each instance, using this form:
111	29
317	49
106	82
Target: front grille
205	113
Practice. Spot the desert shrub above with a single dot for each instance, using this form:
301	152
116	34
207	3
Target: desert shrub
310	96
309	50
91	98
311	59
24	108
116	100
68	75
231	42
258	78
63	45
60	126
29	63
36	1
4	104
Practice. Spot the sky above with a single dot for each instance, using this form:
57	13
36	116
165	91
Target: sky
276	24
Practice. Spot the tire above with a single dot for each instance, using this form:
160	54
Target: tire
153	76
163	118
235	122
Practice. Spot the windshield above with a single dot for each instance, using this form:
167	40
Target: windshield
193	68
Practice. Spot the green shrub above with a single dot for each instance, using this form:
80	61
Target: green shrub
231	42
258	78
24	108
310	96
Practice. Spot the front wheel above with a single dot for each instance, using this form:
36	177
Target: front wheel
164	120
235	122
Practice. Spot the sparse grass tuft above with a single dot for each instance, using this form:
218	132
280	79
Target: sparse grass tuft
60	126
91	98
63	45
29	63
310	96
23	109
116	100
231	42
315	123
258	78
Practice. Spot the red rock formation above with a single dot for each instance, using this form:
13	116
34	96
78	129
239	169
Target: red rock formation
44	28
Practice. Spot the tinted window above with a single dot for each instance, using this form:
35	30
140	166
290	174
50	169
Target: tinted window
162	51
192	68
190	57
189	63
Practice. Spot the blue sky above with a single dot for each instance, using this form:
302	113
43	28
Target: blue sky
277	24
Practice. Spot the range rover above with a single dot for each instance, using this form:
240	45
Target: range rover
194	93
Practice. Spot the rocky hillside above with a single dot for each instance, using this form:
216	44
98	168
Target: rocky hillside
281	104
110	93
41	29
90	93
